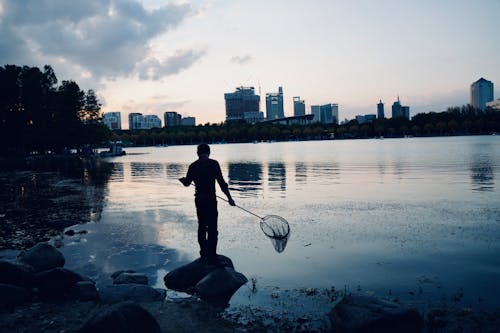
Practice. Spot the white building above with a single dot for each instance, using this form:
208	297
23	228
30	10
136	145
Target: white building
113	120
481	92
494	104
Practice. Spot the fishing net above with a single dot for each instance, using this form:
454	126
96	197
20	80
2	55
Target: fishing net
275	227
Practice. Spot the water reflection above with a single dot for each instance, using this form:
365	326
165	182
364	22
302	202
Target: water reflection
300	172
482	173
175	171
140	171
277	177
246	178
51	194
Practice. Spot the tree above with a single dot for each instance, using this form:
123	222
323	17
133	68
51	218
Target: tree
91	111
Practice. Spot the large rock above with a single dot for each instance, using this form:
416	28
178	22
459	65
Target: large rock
186	277
124	317
13	295
17	274
364	314
42	257
125	278
219	285
131	292
57	282
85	291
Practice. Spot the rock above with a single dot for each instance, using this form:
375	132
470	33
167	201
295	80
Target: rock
42	257
131	292
13	295
115	274
17	274
360	314
125	278
123	317
57	282
86	291
186	277
220	285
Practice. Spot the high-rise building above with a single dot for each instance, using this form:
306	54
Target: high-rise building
188	121
399	110
274	105
380	110
481	92
113	120
315	111
329	113
171	118
135	120
299	106
151	121
243	104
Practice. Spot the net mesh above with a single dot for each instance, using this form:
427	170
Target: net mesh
275	227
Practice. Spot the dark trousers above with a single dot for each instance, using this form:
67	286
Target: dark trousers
206	209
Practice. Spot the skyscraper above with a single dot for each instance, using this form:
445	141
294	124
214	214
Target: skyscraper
274	105
329	113
243	104
380	110
315	111
299	106
171	118
481	92
399	110
113	120
135	120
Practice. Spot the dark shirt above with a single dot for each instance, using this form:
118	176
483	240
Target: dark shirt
204	171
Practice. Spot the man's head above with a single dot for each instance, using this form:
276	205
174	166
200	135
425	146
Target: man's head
203	149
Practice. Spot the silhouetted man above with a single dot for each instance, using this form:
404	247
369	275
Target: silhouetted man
204	172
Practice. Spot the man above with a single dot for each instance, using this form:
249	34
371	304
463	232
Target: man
204	172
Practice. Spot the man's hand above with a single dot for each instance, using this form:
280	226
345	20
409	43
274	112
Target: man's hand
231	202
184	181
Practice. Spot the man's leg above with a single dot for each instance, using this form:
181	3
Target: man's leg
201	211
212	231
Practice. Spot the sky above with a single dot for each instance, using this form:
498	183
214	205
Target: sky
153	56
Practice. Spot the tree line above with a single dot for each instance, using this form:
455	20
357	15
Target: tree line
463	120
39	116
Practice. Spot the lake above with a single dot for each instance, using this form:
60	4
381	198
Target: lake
416	219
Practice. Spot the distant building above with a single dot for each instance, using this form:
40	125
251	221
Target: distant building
367	118
243	104
274	105
329	113
188	121
171	118
380	110
295	120
135	121
400	111
316	112
495	105
151	121
113	120
481	92
299	106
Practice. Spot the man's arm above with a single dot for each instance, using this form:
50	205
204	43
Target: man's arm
186	181
224	186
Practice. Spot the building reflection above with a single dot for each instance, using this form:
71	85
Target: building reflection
482	175
175	171
246	178
118	175
300	172
277	177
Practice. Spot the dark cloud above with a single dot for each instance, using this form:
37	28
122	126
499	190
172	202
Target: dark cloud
154	69
104	38
242	59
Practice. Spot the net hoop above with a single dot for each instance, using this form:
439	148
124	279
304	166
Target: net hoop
275	227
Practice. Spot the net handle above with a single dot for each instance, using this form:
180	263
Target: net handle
246	210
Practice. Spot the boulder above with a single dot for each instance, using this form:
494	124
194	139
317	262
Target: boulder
13	295
123	317
115	274
85	291
219	285
42	257
131	292
186	277
17	274
57	282
125	278
363	314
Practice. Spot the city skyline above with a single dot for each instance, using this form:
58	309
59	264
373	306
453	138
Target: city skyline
154	56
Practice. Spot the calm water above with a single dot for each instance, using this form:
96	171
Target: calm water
418	219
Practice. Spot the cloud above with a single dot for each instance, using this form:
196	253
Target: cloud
154	69
103	37
242	60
